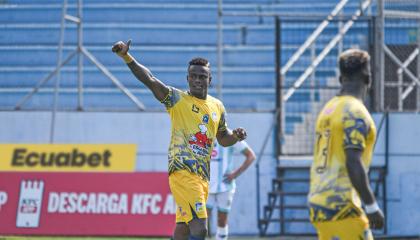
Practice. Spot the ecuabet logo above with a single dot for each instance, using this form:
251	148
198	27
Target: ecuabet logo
30	202
3	198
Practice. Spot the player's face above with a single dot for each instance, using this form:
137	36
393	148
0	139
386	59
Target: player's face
199	78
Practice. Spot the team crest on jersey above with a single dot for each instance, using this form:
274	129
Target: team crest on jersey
200	143
206	118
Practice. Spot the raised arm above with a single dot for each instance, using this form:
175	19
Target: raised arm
143	74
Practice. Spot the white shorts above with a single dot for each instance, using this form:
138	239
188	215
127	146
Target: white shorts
223	201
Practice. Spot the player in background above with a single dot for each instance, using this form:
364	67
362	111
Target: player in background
222	182
345	137
197	119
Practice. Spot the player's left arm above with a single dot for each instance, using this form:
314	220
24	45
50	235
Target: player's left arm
360	182
227	137
356	129
249	159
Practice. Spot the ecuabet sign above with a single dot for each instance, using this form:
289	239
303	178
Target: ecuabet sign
68	157
101	204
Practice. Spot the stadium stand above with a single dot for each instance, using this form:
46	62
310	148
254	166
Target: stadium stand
166	34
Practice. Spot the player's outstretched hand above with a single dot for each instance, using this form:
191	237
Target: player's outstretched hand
239	133
121	48
376	219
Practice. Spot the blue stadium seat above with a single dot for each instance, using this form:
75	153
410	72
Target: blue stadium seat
166	35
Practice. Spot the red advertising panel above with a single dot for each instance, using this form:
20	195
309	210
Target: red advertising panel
118	204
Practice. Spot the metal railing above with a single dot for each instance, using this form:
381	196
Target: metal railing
400	86
326	50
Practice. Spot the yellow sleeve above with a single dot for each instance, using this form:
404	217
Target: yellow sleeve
172	98
355	127
222	122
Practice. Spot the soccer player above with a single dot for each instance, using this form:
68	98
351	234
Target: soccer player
197	119
345	137
222	182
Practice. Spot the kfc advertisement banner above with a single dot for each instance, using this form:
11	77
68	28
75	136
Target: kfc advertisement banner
96	204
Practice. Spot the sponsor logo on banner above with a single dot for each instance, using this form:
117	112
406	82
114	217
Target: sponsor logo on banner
100	204
3	198
68	157
113	203
30	202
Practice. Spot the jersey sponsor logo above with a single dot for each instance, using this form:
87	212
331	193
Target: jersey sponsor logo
68	157
195	108
200	142
30	202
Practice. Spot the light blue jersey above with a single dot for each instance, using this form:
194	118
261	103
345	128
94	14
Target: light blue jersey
221	163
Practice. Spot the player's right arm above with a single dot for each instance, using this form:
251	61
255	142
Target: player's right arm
142	73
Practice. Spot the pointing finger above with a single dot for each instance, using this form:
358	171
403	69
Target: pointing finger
128	43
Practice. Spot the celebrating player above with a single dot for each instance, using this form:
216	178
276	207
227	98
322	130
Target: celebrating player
196	119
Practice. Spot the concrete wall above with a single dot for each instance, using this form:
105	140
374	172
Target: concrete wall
151	132
403	180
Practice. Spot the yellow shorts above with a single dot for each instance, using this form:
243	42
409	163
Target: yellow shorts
347	229
190	193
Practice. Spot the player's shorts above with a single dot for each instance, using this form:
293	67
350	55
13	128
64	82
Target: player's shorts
190	193
347	229
223	201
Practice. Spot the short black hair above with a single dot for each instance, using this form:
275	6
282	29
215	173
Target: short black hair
200	61
353	61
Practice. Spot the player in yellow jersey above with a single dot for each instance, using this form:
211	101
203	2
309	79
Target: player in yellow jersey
345	137
197	119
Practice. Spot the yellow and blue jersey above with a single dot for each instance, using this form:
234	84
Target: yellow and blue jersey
195	123
343	123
